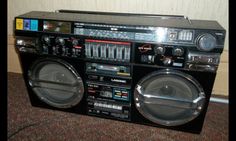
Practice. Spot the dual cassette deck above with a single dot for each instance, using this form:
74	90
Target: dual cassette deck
140	68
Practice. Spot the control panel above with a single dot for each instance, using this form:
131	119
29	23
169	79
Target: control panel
62	46
161	55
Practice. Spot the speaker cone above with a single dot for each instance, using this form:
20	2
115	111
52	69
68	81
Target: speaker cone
56	83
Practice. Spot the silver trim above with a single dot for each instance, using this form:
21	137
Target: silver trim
219	100
214	58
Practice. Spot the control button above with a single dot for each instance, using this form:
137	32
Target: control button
109	106
147	58
94	66
167	61
151	59
65	51
173	35
73	52
45	49
159	50
178	51
185	35
54	50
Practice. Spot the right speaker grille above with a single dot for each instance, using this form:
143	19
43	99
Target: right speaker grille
169	97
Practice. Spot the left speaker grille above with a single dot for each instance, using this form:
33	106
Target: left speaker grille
56	82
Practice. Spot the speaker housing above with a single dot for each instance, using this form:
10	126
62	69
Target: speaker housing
200	77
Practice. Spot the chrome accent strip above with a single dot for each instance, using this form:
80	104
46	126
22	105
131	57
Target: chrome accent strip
219	100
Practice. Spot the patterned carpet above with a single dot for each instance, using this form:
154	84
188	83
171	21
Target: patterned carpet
27	123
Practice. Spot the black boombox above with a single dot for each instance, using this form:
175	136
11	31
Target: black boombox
156	70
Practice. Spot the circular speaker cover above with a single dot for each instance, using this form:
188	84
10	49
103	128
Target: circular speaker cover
56	83
169	97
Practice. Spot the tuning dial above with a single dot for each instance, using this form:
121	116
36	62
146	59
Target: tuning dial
178	51
167	61
206	42
60	41
159	50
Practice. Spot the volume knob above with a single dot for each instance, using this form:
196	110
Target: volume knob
159	50
178	51
167	61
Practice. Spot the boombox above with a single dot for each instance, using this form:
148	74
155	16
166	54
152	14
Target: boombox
155	70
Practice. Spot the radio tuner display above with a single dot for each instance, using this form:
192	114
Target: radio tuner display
57	26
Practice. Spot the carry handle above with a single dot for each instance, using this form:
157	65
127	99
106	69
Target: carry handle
123	14
168	101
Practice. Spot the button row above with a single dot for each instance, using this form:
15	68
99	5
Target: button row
111	106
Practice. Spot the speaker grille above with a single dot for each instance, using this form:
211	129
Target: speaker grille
169	97
56	82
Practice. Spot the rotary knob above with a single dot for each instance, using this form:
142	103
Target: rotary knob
206	42
159	50
178	51
60	41
74	42
46	39
167	61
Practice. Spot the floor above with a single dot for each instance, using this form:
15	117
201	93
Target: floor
27	123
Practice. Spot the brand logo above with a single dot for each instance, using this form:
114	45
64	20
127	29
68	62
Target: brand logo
145	48
118	80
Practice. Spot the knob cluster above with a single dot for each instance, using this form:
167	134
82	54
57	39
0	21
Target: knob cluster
62	46
176	51
58	40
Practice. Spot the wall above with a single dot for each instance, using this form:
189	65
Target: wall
194	9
